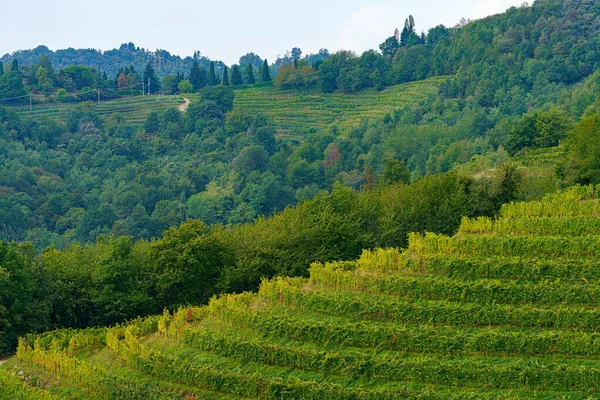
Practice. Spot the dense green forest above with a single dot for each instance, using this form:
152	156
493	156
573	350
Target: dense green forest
103	220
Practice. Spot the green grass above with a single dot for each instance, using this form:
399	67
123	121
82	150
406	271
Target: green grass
133	109
296	113
490	313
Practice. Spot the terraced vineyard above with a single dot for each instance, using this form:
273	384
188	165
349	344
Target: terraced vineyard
507	308
297	113
133	109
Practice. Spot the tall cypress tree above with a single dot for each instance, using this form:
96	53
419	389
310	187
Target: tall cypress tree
15	65
225	81
1	68
212	77
236	76
250	74
194	77
266	76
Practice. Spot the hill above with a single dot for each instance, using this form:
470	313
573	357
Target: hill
503	309
302	112
133	110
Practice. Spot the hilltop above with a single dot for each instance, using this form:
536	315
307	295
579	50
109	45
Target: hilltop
503	309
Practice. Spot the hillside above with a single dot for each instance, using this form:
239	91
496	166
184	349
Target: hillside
504	309
301	112
133	110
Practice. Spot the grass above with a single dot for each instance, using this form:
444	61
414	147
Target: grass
296	113
133	109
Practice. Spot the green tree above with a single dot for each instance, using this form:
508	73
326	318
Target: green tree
250	74
551	127
185	86
1	68
198	76
169	84
80	75
266	75
188	261
389	47
236	76
225	81
15	65
11	85
44	82
212	76
150	76
582	159
394	171
61	95
296	55
152	124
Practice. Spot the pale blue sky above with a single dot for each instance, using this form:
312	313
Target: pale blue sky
225	30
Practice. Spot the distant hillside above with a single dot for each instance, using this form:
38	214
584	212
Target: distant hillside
111	61
502	310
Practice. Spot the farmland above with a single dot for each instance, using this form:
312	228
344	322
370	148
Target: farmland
506	308
298	112
134	110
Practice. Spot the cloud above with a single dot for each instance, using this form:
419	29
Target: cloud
368	27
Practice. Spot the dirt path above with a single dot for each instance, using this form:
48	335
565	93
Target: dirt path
184	106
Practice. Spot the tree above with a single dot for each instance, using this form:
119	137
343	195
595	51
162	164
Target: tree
169	84
185	86
61	95
394	171
150	76
152	124
389	47
81	76
582	161
266	75
15	65
198	76
122	82
251	158
250	74
252	59
1	68
212	76
225	81
236	76
188	261
296	55
409	29
11	85
222	96
44	83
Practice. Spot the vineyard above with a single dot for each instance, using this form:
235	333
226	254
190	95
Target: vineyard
506	308
134	110
298	112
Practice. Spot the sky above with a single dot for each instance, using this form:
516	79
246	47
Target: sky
225	30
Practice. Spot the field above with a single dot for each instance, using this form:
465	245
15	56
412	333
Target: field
297	112
507	308
133	109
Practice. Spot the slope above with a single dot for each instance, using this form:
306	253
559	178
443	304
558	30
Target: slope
134	110
504	309
297	112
